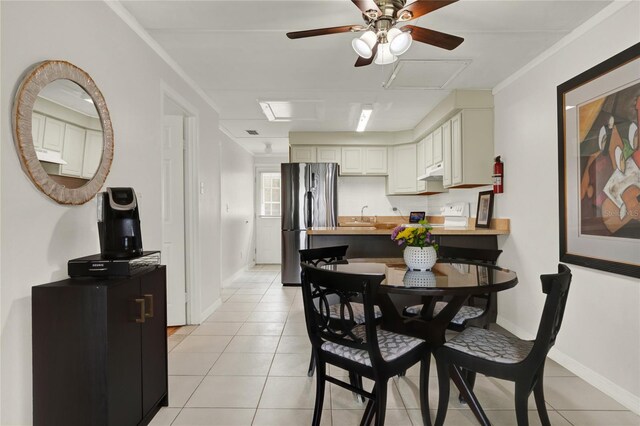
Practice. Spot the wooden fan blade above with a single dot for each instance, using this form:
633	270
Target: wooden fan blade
421	7
432	37
324	31
367	5
361	62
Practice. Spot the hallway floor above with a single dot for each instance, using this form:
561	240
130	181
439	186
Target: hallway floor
247	364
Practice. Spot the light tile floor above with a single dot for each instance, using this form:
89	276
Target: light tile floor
247	364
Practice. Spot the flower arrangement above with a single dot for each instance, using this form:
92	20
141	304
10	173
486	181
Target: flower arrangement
414	236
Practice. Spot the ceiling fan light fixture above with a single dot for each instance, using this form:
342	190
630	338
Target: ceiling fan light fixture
399	41
384	55
363	45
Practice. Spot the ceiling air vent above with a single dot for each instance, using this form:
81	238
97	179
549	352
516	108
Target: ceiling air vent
252	132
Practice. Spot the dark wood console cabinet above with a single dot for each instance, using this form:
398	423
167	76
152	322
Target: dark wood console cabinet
100	350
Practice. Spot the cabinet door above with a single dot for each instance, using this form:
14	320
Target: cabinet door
53	134
124	353
420	165
352	161
73	150
92	153
438	155
375	161
154	339
456	150
329	154
303	154
446	154
404	169
37	129
428	151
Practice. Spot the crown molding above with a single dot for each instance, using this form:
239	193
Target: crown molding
133	23
578	32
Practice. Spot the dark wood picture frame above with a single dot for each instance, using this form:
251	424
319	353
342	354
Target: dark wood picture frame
485	209
597	112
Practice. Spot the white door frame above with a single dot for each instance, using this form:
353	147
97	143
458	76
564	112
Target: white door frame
256	197
191	201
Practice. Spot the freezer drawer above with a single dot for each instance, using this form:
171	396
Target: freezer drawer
292	241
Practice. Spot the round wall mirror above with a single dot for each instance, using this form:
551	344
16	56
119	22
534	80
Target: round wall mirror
62	131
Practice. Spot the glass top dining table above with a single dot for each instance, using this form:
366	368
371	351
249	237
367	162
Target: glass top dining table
454	281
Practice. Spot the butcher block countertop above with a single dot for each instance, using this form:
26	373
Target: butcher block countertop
385	225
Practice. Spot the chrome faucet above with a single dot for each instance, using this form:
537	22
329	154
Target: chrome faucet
362	213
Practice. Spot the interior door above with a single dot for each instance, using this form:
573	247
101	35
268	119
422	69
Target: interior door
268	204
173	230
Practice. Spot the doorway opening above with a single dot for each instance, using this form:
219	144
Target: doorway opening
268	211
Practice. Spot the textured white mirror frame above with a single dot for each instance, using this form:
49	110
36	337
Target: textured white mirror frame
41	75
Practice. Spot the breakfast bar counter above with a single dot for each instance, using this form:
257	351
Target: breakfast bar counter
372	239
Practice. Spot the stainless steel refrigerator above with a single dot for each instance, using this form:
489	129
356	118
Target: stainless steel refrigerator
309	199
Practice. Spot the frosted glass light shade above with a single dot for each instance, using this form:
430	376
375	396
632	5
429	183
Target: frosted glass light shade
399	41
384	55
363	45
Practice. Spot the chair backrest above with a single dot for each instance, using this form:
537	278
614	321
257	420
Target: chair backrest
323	255
556	287
464	253
319	286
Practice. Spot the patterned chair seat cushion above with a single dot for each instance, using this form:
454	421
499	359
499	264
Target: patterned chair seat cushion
392	345
490	345
465	313
358	312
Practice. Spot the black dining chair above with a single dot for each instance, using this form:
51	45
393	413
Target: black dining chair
324	256
365	349
509	358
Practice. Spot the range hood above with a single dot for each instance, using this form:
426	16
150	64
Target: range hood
434	172
49	156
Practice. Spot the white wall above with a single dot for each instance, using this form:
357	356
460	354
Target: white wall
38	235
356	191
600	336
237	212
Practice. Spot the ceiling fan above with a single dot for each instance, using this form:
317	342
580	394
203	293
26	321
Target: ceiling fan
382	41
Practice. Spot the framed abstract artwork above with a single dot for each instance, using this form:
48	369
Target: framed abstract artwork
599	166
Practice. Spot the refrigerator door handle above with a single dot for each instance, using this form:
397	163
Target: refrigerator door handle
308	209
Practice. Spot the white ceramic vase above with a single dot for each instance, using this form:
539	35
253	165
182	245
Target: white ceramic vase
420	259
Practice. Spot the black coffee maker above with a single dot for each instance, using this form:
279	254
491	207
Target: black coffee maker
119	224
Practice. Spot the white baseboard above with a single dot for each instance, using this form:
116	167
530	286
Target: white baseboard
623	396
230	279
209	310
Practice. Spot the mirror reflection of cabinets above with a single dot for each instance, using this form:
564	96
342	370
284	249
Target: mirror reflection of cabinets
62	131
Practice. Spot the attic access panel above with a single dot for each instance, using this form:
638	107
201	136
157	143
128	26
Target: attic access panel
424	74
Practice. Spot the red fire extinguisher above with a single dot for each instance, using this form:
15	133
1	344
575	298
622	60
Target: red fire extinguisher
498	176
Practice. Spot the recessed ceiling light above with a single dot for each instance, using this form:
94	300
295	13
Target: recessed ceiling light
364	117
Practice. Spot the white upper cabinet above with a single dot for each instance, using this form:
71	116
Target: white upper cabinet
303	154
428	152
445	137
437	145
53	134
73	150
403	173
367	160
37	129
92	153
329	154
468	150
420	164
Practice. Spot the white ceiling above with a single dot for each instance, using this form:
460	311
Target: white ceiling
237	52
